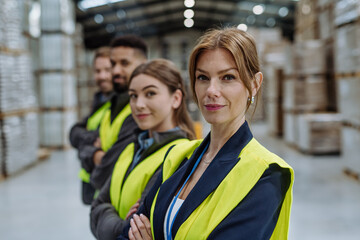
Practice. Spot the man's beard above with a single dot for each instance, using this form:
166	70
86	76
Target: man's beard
119	87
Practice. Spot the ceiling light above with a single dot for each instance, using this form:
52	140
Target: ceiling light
110	28
251	19
306	9
121	14
188	22
283	11
258	9
98	18
242	27
86	4
189	13
189	3
270	22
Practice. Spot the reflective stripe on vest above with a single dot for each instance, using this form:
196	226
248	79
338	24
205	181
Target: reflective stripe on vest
94	120
109	131
124	195
92	124
255	159
84	175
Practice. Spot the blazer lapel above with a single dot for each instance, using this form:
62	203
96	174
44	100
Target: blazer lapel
212	177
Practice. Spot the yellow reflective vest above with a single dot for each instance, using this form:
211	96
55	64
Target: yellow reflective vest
255	159
94	120
92	124
125	193
109	131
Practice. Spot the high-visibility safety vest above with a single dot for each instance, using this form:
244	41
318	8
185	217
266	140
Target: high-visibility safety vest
109	131
254	160
92	124
94	120
124	194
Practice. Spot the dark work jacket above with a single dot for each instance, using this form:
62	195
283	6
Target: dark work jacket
105	221
79	135
128	134
255	216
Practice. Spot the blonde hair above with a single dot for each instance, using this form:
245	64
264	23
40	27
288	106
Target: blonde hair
242	47
166	72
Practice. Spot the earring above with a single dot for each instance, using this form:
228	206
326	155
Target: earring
252	99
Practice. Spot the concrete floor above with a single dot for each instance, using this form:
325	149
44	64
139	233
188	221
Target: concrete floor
43	202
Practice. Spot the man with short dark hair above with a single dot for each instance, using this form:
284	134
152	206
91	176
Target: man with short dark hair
117	128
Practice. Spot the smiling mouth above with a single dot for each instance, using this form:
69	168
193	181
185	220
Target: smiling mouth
213	107
142	116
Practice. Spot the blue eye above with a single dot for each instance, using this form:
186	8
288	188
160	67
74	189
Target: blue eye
229	77
201	78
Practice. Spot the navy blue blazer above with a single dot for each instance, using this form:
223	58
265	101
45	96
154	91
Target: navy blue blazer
254	218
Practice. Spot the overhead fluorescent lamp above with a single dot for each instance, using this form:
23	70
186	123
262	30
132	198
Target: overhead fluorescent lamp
86	4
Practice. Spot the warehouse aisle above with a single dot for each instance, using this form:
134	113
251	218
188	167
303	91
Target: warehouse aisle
44	202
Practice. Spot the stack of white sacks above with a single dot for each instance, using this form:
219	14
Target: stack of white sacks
18	103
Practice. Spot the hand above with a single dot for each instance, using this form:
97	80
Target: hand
97	143
133	209
98	155
140	228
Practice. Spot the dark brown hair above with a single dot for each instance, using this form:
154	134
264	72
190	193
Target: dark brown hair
131	41
166	72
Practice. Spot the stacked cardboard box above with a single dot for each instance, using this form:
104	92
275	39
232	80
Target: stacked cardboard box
309	89
347	72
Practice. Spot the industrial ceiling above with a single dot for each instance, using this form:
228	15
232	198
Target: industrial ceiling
104	19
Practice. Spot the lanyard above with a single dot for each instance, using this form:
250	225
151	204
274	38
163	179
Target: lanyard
168	231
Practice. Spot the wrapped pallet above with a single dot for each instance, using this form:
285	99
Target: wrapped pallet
59	16
56	52
57	90
351	150
346	11
20	132
320	133
347	48
55	127
290	128
348	97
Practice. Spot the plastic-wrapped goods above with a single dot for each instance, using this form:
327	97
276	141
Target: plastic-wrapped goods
57	90
347	49
20	132
55	127
325	3
326	29
290	128
348	98
350	148
346	11
274	117
58	15
56	52
320	133
16	83
11	24
1	153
